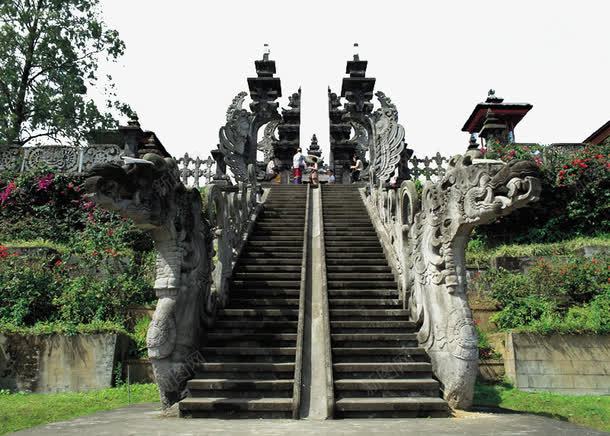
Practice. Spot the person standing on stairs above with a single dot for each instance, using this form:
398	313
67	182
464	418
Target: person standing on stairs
356	168
298	162
313	175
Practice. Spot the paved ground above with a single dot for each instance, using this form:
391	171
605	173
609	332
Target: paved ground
146	420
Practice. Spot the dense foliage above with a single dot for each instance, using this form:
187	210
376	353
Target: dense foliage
575	198
92	266
567	295
49	56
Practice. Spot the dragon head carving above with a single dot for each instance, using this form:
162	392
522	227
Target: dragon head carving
144	190
435	230
149	191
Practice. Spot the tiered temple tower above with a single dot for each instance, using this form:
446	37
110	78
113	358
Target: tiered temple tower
314	148
289	131
495	120
265	89
357	89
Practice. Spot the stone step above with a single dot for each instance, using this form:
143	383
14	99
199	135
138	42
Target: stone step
368	255
355	249
271	255
364	302
288	284
235	404
392	404
266	292
245	367
269	269
362	293
249	276
376	353
216	384
255	302
248	351
329	225
253	325
347	232
368	313
373	260
381	337
260	312
359	276
270	262
381	384
406	325
385	351
342	284
265	246
351	238
358	268
348	241
229	335
296	237
385	368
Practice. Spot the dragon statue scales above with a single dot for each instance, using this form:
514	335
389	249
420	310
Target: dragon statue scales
426	237
148	190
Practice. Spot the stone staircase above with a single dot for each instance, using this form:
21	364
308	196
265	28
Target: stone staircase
249	369
378	368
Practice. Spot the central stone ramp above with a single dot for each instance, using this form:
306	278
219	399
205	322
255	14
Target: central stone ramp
379	370
250	352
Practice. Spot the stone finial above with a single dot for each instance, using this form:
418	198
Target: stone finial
473	141
356	55
492	97
473	148
134	120
266	52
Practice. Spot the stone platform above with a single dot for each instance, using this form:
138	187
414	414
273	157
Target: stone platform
145	419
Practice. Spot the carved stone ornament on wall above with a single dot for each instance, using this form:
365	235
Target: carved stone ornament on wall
269	138
234	138
11	158
100	154
426	237
389	140
61	158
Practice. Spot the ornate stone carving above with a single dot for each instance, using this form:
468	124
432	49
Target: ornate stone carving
269	138
149	192
427	237
58	157
389	140
234	138
11	158
100	154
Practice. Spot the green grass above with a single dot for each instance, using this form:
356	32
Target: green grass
479	255
587	410
37	243
19	411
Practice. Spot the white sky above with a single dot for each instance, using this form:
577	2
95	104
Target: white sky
187	59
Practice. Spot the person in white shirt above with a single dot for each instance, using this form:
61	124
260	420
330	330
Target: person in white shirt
298	162
356	168
271	170
331	177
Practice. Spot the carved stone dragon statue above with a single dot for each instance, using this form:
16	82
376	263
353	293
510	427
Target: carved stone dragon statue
431	237
148	190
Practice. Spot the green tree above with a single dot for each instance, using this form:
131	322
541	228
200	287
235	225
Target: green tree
49	56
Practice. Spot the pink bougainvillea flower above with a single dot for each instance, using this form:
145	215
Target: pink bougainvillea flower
6	192
45	182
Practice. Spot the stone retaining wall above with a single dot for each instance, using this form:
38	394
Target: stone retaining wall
567	364
57	363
